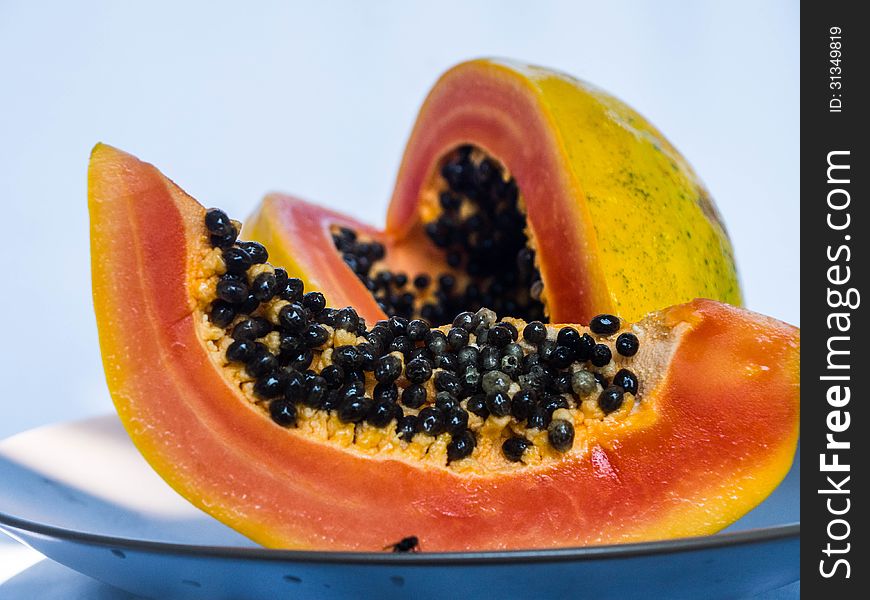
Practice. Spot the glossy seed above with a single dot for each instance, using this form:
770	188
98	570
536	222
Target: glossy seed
347	319
570	338
292	317
490	358
388	369
314	301
331	401
601	355
282	412
252	328
531	360
333	374
292	290
468	356
464	320
234	292
315	335
418	370
562	383
545	350
627	380
301	360
611	399
446	361
368	356
539	418
218	223
553	402
354	409
402	345
354	374
461	446
627	344
448	382
237	260
431	421
240	350
414	396
561	357
249	305
477	405
261	362
397	325
445	401
222	313
513	448
499	337
418	329
346	357
224	241
281	278
264	286
256	251
560	434
512	330
522	404
407	426
456	419
498	404
382	413
271	385
604	324
585	347
436	341
457	338
291	344
295	387
315	392
386	391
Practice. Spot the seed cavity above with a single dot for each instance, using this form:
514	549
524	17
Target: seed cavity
480	230
475	384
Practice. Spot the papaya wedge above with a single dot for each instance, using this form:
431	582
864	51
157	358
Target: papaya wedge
709	430
509	161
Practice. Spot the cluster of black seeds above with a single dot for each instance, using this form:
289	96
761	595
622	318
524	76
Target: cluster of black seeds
481	229
478	366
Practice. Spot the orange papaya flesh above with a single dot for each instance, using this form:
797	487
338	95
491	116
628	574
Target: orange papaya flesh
508	164
710	432
299	236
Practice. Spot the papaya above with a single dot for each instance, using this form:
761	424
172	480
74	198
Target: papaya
526	191
301	425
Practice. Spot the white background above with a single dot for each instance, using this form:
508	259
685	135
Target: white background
234	99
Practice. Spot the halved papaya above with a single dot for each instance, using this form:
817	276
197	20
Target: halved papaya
289	420
536	194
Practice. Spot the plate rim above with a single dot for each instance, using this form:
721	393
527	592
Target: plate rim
535	555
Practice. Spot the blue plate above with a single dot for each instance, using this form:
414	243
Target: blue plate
83	496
